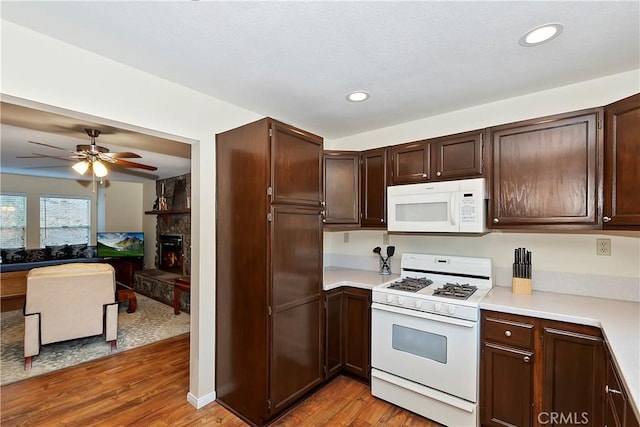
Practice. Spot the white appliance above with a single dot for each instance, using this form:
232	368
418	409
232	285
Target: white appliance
439	207
425	337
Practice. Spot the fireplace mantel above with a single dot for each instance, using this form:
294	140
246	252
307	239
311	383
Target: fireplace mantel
164	214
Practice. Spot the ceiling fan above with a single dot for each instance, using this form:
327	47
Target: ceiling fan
93	157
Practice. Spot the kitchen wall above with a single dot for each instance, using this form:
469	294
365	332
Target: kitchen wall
562	262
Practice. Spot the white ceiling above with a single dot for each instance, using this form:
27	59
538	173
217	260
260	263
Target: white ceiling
296	60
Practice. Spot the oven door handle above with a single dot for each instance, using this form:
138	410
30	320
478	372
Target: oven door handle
423	315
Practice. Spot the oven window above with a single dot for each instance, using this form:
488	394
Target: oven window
420	212
420	343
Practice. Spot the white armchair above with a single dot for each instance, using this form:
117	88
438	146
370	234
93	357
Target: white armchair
69	301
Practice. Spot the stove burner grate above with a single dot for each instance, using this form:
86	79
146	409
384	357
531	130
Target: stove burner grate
410	284
455	290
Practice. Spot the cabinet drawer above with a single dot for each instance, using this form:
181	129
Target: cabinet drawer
506	331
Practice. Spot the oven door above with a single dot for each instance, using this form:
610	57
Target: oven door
439	352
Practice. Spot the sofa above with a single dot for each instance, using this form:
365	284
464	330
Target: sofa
69	301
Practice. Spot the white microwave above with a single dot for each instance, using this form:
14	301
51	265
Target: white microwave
437	207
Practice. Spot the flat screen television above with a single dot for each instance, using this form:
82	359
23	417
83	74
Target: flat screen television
120	245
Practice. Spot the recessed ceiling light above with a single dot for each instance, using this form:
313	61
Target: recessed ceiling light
541	34
358	96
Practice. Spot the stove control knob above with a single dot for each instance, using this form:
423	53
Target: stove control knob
389	298
400	300
418	303
437	306
451	309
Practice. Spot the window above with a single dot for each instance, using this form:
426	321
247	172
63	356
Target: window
13	220
64	220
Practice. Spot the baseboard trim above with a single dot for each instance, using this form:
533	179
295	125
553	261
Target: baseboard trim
199	402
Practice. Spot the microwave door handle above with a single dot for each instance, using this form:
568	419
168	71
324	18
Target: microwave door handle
452	209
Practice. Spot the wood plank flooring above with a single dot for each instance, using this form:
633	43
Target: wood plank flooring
147	386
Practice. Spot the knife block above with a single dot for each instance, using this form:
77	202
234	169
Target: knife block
521	286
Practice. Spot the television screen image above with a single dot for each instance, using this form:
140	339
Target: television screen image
120	245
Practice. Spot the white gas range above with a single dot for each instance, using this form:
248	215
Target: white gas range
425	336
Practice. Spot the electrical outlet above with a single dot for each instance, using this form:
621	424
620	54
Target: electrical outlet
603	247
346	237
385	239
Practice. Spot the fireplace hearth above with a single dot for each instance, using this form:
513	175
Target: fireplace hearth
170	253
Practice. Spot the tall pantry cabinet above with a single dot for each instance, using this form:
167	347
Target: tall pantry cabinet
269	309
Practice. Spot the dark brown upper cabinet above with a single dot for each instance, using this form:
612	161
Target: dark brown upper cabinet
449	157
411	162
296	162
458	156
621	202
373	180
547	172
341	187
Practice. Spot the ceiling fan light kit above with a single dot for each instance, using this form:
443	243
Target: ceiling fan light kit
94	157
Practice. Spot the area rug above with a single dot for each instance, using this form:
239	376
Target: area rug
151	322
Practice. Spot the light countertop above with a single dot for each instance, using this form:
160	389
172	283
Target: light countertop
334	277
619	321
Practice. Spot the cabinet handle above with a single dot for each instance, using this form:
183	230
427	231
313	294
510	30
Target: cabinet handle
438	173
507	333
424	175
527	359
606	219
381	219
496	220
611	390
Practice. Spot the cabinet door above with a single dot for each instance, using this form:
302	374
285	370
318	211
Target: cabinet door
622	155
357	331
411	162
574	369
373	178
458	156
296	166
333	332
341	187
296	304
546	172
506	395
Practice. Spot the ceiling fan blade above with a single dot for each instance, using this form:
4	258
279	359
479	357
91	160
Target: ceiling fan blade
44	156
51	146
128	164
124	154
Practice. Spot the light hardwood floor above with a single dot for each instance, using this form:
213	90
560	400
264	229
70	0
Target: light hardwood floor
147	386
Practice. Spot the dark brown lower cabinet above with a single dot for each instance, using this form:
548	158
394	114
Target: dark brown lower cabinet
537	372
574	368
348	332
507	386
617	407
333	332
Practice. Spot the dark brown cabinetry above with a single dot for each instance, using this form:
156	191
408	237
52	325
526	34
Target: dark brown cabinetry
124	269
574	367
373	193
269	311
533	368
411	162
546	172
341	187
348	332
621	204
449	157
618	411
506	383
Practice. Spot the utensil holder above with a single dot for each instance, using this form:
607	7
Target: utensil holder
385	266
521	286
